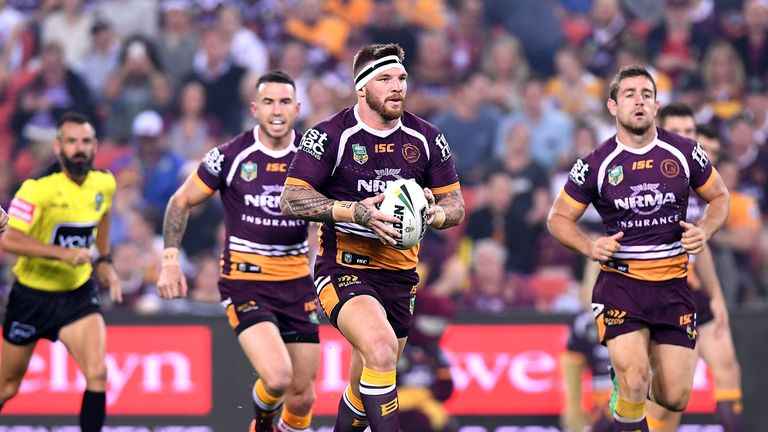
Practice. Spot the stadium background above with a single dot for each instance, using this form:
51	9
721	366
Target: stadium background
517	86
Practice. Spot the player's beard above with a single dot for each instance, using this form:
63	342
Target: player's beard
381	108
636	130
79	165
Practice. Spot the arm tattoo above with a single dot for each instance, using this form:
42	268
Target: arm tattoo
174	225
453	204
305	203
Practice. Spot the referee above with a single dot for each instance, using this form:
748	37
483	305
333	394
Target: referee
54	220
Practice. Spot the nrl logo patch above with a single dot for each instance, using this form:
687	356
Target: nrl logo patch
616	175
249	171
359	154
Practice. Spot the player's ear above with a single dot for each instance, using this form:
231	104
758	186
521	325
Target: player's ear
361	92
612	107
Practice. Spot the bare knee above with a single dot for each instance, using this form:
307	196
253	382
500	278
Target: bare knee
277	379
299	400
8	390
674	399
635	382
381	353
96	376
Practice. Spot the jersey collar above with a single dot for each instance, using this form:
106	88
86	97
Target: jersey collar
372	131
270	152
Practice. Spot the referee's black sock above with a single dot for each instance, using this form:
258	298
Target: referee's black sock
93	411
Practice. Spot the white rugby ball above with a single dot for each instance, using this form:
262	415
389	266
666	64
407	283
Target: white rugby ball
405	200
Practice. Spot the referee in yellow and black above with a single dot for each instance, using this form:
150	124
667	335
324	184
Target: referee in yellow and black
54	220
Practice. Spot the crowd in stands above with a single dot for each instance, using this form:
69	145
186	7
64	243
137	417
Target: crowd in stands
517	86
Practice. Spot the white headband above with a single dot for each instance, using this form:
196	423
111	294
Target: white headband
373	69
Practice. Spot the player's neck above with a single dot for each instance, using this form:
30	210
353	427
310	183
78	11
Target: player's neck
373	119
79	180
632	140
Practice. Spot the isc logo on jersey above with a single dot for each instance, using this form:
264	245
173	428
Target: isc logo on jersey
313	142
74	236
404	199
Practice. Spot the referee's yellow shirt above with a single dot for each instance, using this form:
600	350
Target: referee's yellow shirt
55	210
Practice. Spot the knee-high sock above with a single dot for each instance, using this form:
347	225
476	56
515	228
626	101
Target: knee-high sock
265	407
728	410
351	416
379	395
93	411
629	416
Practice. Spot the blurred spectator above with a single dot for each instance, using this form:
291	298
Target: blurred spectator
246	49
504	61
574	90
70	27
525	19
752	160
128	198
137	84
551	129
647	11
294	61
54	91
391	27
11	84
608	28
466	35
468	124
676	45
723	74
127	257
131	17
752	46
159	167
423	14
492	289
691	92
756	105
310	24
355	12
500	217
221	79
12	26
430	81
191	132
204	296
530	183
734	243
423	372
202	219
101	60
178	41
322	99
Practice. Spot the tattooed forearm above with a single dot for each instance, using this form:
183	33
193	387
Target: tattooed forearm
453	204
175	224
306	203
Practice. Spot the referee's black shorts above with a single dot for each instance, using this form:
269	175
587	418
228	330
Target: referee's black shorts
32	314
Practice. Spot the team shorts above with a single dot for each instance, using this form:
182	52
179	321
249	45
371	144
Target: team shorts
32	314
394	289
290	305
703	310
622	305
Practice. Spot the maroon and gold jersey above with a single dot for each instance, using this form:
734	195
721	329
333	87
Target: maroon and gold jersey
261	244
644	193
345	159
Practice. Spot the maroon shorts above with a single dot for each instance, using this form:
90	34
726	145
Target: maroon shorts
291	305
703	310
623	305
394	289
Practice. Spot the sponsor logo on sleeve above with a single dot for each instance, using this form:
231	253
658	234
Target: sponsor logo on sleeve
213	161
700	156
313	142
442	144
579	172
22	210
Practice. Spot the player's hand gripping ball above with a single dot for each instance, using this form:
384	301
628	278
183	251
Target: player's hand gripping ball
405	200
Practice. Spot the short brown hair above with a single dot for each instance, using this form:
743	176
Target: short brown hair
374	52
630	71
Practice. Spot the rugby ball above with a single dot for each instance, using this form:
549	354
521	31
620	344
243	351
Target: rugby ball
405	200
